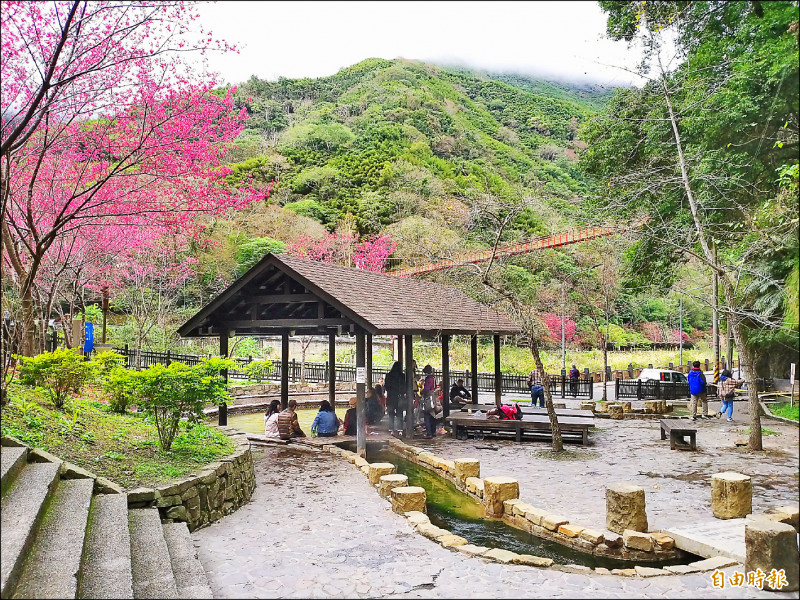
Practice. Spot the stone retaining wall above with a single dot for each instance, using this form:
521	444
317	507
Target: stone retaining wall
218	489
272	387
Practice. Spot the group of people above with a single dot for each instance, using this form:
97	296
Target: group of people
537	389
698	391
285	425
389	397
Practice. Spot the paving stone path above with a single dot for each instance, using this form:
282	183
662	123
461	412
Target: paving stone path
316	529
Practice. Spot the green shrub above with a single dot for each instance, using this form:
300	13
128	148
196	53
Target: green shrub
106	362
60	373
178	391
258	370
120	385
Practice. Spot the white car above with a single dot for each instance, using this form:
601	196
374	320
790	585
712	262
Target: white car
662	375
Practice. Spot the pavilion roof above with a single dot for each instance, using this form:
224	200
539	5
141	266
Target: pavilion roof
286	293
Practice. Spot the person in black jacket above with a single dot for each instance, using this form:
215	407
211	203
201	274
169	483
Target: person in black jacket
395	386
459	394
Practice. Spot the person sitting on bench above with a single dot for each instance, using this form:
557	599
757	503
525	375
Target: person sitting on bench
459	394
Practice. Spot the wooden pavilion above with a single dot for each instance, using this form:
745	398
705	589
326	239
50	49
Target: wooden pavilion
287	295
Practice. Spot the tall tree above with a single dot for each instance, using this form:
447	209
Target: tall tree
698	149
104	124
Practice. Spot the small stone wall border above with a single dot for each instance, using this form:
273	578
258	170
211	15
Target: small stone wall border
769	413
215	491
446	539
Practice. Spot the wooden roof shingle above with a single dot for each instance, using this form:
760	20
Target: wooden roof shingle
376	302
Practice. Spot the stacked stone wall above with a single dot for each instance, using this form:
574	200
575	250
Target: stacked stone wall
217	490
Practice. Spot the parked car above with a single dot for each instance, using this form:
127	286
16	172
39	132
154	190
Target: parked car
662	375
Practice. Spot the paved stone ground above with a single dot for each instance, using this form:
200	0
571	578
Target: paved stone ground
298	539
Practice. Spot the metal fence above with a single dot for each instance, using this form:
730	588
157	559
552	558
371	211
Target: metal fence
318	372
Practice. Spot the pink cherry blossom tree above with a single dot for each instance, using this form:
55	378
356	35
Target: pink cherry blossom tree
370	254
105	125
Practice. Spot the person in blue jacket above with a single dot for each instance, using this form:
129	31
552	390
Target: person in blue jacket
326	423
698	390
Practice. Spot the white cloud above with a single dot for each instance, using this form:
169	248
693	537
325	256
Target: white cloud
562	40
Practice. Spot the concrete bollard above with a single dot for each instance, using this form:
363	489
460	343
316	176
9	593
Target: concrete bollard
497	490
378	470
466	467
588	406
408	498
387	482
615	411
731	495
771	545
625	508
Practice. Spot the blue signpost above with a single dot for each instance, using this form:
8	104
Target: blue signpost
88	338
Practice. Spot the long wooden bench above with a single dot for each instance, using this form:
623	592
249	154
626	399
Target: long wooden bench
528	410
677	430
574	429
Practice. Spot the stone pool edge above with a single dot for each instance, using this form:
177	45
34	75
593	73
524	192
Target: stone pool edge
557	528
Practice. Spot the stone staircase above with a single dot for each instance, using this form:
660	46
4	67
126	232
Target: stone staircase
62	540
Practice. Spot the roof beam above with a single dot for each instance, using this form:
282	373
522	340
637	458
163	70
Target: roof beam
284	323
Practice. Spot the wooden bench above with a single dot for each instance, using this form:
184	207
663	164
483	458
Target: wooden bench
678	430
528	410
574	429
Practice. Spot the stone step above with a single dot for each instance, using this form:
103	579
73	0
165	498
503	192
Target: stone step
12	459
150	563
190	577
21	510
51	567
106	570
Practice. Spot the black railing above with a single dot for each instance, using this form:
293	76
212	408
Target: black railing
318	372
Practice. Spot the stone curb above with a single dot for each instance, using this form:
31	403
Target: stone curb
421	524
768	413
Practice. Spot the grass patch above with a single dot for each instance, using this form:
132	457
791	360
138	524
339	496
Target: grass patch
566	454
764	431
785	410
123	448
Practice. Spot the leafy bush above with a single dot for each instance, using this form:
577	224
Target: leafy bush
120	384
258	370
106	362
178	391
60	372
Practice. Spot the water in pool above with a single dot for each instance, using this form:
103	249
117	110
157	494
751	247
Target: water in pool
254	422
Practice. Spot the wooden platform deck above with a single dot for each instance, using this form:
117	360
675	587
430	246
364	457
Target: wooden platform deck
573	428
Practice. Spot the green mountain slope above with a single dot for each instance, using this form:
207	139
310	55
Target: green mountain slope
390	140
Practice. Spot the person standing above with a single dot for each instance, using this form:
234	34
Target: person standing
698	390
429	402
574	376
726	386
537	391
395	387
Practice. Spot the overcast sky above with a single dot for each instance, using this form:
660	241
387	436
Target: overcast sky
563	40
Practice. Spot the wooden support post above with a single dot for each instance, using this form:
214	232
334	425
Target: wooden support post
473	348
446	375
410	385
222	418
369	360
498	374
400	354
332	369
361	416
284	370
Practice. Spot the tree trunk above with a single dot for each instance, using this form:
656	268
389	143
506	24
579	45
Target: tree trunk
558	443
605	369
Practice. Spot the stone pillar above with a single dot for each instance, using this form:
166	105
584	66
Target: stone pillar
378	470
497	490
615	411
387	482
731	495
625	508
408	498
772	545
466	467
